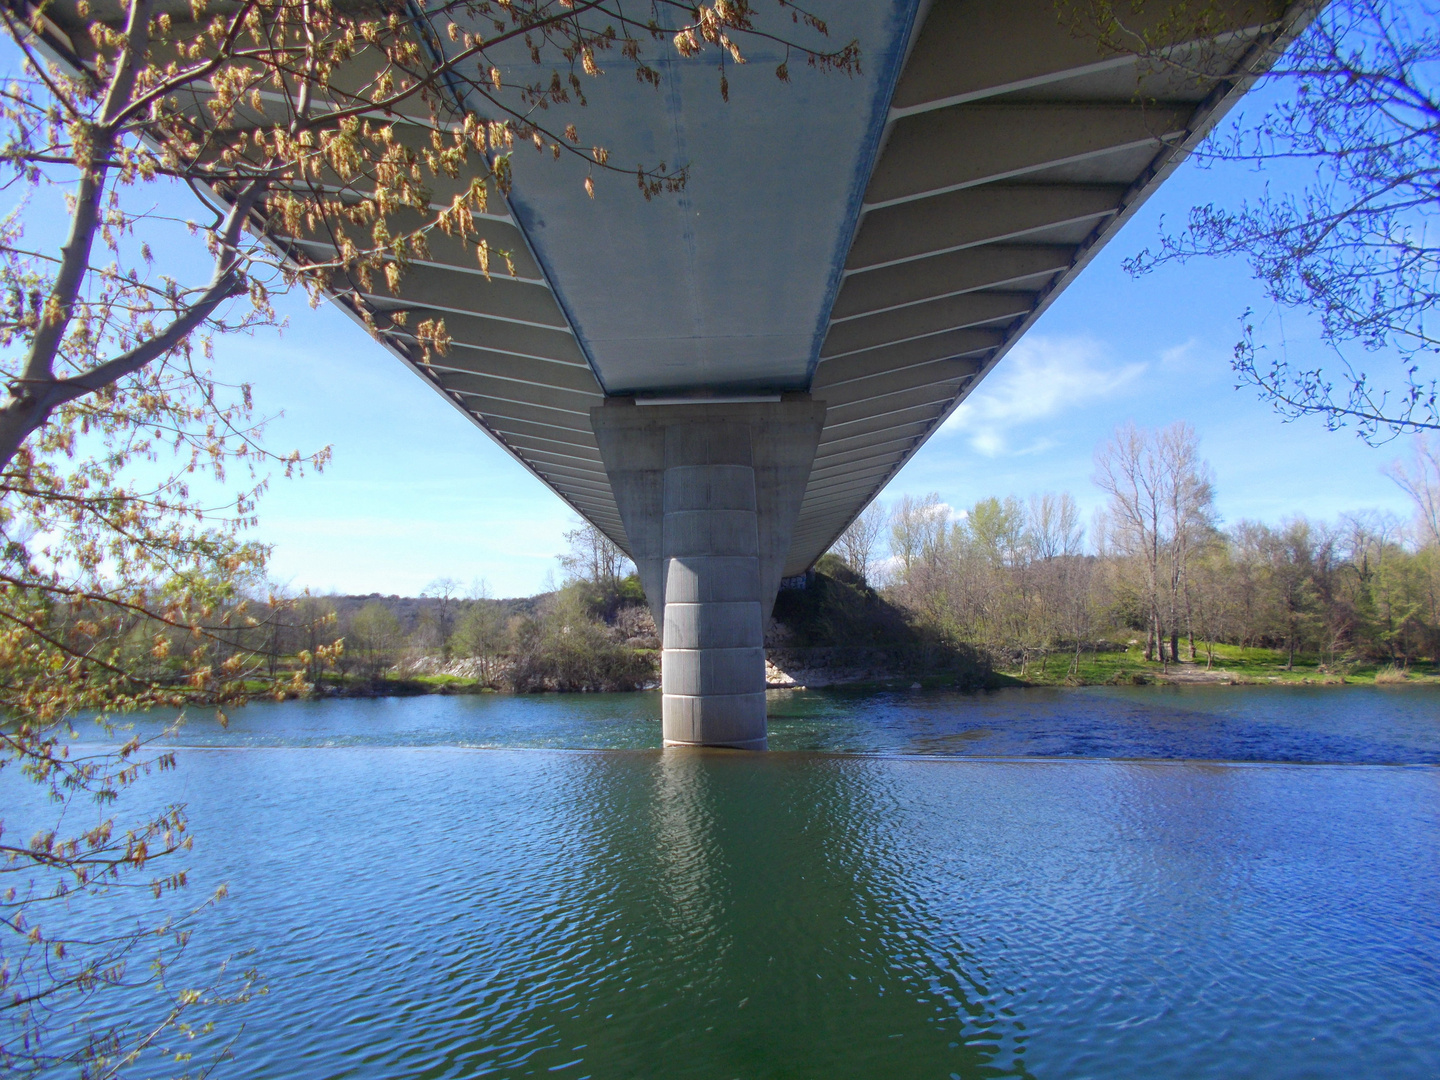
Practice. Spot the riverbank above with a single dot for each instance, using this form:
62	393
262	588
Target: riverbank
1232	665
835	630
862	669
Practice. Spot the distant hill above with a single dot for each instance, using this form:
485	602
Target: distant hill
409	609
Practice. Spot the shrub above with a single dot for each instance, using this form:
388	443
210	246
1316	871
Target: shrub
565	647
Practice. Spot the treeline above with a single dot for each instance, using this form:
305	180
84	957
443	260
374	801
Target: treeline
593	633
1001	583
1029	579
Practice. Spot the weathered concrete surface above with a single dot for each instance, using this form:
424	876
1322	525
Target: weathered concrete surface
709	493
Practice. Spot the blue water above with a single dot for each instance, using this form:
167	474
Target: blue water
1372	725
421	907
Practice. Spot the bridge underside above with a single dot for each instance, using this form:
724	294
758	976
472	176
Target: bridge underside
850	257
884	262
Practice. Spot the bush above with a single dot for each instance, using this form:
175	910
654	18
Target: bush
565	647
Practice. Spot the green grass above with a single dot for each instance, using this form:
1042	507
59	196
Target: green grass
451	684
1239	665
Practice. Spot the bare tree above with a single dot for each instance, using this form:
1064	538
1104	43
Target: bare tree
594	557
1130	472
857	544
445	591
1077	604
1160	498
1189	502
918	530
1421	481
1061	573
1054	529
921	537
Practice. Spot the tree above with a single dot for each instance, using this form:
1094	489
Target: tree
122	587
1189	501
445	591
921	535
1348	232
484	636
1291	555
120	590
565	647
593	557
1421	481
1210	595
303	119
918	530
857	544
1160	499
1054	530
995	594
375	638
1076	604
1128	470
1056	539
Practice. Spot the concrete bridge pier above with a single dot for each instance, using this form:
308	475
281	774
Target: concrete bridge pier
708	493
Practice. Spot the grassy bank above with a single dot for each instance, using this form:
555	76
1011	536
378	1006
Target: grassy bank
1233	664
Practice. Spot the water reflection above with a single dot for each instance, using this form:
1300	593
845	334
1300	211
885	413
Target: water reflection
680	913
792	915
438	913
688	868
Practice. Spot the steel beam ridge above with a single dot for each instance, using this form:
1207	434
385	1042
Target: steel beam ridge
1012	150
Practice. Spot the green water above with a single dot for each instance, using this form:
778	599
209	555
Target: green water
420	909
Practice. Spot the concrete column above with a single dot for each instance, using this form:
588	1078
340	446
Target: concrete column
709	494
713	666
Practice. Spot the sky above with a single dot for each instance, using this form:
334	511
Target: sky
415	491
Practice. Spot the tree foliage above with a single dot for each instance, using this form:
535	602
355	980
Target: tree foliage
1019	581
1346	232
315	136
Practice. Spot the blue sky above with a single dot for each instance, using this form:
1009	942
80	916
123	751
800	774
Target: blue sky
415	491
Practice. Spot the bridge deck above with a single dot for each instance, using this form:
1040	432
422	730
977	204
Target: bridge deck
879	241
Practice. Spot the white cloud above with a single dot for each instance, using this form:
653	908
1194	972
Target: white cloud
1183	353
1041	378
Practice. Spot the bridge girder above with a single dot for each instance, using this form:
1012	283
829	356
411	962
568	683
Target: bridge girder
1003	152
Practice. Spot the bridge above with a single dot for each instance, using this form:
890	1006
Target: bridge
720	380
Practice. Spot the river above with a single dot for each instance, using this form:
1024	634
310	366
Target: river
1155	882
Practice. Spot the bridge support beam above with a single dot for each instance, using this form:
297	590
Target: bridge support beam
709	493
